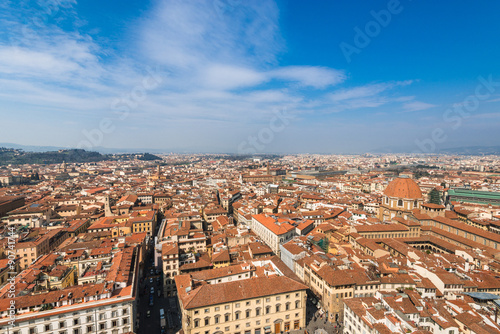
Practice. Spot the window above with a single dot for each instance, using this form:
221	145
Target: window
237	305
247	313
207	321
90	329
226	307
196	322
257	311
196	312
268	300
207	310
278	307
237	315
297	303
226	317
247	303
62	324
47	327
400	202
268	309
217	319
287	306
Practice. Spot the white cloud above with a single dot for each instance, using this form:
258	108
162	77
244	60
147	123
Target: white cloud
316	77
416	106
188	34
366	91
230	77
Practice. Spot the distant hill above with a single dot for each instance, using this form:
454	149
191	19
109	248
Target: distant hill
19	157
12	156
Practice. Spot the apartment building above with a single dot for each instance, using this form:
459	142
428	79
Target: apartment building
255	305
272	230
93	308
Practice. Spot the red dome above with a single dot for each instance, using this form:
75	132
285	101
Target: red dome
403	188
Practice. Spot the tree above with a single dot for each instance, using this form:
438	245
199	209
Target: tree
434	196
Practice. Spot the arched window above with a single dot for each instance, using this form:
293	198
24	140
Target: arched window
400	202
415	204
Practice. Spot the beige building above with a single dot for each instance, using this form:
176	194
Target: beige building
170	261
243	305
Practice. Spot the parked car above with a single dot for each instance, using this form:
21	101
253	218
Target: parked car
148	313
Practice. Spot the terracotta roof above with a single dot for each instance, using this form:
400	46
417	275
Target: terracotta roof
403	188
214	294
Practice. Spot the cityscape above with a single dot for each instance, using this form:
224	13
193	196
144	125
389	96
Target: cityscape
227	244
249	167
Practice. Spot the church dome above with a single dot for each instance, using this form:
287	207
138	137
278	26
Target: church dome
403	188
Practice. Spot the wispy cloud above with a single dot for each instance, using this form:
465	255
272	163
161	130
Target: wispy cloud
416	106
218	65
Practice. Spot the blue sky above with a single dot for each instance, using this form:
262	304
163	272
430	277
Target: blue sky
250	76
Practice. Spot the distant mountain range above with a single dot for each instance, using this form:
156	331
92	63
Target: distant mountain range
462	150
